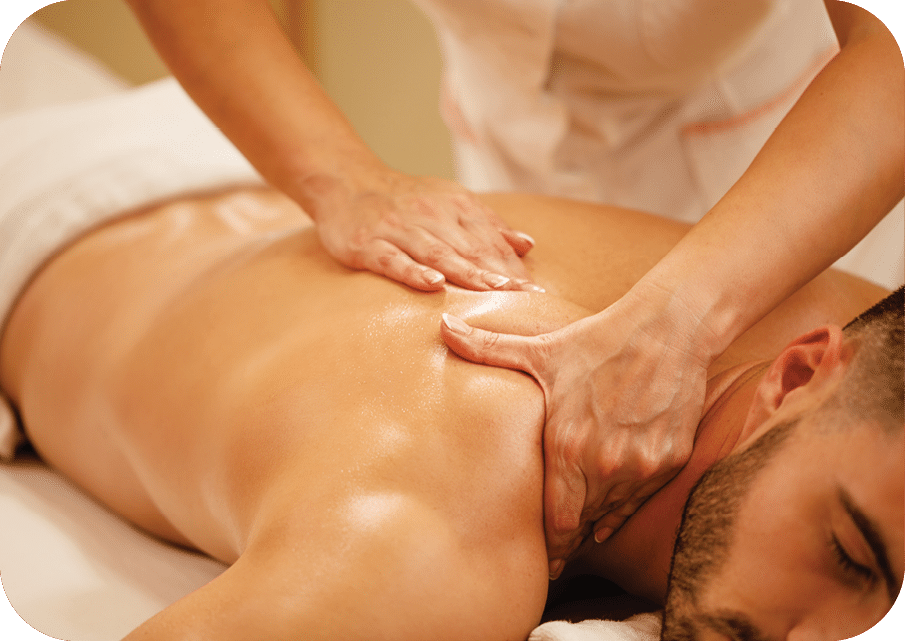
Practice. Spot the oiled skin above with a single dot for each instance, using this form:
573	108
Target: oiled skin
208	372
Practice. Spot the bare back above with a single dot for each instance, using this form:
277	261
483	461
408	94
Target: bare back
206	370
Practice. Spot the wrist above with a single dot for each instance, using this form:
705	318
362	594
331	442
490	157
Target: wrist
333	180
690	317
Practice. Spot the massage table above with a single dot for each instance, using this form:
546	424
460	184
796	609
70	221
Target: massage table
72	569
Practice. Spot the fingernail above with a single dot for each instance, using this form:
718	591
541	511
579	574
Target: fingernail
555	569
456	324
433	277
535	288
603	534
526	238
495	280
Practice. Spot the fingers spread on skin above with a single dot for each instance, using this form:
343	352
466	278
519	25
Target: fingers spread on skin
474	232
437	223
428	250
387	260
488	247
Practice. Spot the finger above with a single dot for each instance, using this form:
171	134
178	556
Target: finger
387	260
472	235
527	286
564	495
612	498
556	568
485	216
509	264
609	523
487	246
520	242
605	526
490	348
427	250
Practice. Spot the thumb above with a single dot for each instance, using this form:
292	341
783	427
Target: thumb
489	348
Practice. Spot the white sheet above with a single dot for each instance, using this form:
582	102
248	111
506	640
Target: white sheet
69	567
65	169
75	571
66	74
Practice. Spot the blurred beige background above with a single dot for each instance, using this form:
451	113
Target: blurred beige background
378	59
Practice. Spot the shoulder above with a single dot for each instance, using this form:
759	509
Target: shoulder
832	298
392	565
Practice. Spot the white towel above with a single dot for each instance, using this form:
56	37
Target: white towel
66	169
641	627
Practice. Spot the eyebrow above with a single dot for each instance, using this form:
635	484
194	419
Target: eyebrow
871	534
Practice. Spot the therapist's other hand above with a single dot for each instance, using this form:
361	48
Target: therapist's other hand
420	231
624	393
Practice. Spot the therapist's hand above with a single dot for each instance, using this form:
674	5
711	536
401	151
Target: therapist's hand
420	231
624	392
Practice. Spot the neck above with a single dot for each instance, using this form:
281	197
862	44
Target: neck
638	556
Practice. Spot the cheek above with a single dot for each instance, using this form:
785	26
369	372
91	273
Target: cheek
775	569
764	574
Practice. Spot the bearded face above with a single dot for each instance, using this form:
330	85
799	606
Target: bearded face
800	533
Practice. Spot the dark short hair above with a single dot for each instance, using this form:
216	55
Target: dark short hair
873	389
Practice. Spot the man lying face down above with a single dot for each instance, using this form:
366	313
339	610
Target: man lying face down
204	369
799	533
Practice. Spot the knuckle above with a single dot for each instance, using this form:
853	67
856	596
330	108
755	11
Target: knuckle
357	241
631	506
545	348
475	252
466	203
427	208
384	261
678	457
606	465
649	466
436	253
393	219
469	272
489	340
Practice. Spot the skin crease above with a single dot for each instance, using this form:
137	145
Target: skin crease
208	372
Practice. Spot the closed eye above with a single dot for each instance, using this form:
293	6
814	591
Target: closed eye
857	573
870	532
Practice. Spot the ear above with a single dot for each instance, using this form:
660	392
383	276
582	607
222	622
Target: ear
806	364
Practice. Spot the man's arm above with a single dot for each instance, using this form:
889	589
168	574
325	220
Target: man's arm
378	566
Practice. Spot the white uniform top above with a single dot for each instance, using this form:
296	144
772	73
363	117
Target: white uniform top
658	105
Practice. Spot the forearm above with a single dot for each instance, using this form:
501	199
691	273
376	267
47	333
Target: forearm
233	59
827	175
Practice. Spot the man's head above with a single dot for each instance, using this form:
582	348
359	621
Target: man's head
799	533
